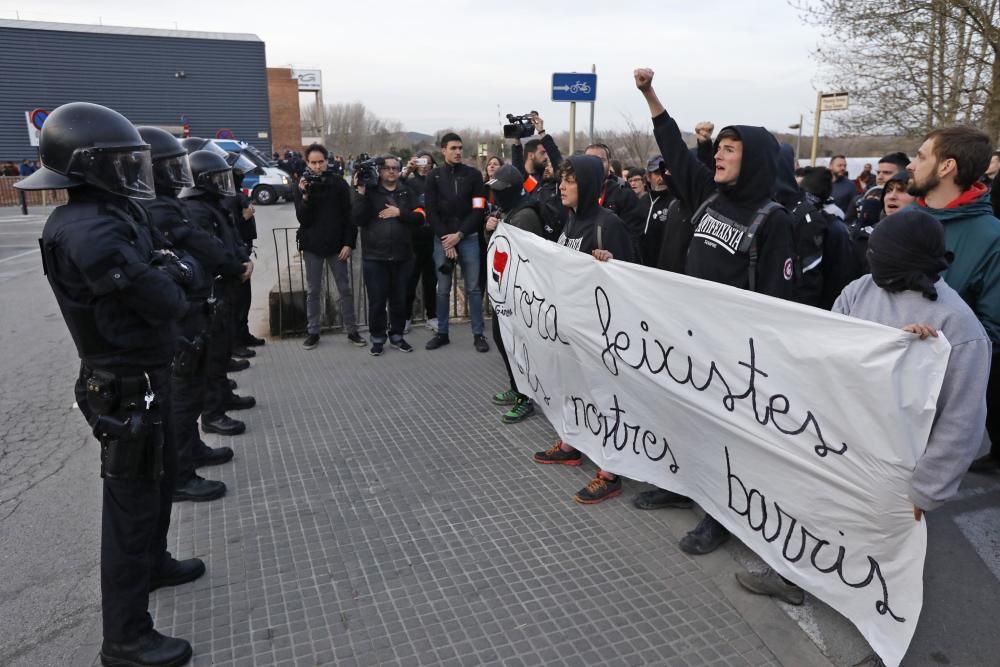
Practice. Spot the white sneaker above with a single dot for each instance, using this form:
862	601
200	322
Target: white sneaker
432	324
407	328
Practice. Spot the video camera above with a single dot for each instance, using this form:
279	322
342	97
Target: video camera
366	169
519	127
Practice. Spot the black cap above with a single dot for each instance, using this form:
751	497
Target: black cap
505	177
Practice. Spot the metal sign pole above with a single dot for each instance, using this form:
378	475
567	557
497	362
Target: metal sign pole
819	105
593	70
572	127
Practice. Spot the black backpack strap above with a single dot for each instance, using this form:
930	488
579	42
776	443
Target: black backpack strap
750	243
696	218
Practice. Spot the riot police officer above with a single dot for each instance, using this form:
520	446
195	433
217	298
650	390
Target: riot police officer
168	215
119	298
207	209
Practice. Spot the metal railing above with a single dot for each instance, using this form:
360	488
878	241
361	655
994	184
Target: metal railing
288	305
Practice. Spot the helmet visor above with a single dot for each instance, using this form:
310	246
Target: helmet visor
240	163
173	172
120	170
219	182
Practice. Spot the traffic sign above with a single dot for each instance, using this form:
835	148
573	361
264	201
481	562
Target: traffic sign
225	133
833	101
574	87
38	117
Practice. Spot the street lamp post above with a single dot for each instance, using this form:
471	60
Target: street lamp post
798	142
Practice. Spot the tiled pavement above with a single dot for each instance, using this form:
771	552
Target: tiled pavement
379	513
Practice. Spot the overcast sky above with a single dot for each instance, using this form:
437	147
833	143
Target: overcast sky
450	63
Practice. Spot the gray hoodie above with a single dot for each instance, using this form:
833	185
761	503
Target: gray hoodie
957	432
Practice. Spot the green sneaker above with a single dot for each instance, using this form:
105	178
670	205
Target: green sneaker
508	397
523	409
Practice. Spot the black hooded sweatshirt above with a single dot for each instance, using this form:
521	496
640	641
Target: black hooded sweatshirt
580	232
716	252
655	204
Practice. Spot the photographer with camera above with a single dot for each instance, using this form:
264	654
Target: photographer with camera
386	213
424	270
455	201
532	158
326	237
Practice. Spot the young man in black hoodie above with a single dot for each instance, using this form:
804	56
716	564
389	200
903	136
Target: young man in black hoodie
655	202
599	232
741	237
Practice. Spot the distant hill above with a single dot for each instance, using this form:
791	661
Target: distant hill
418	138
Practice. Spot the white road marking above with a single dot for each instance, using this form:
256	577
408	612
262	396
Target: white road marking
22	254
979	528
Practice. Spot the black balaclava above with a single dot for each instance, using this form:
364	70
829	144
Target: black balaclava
906	251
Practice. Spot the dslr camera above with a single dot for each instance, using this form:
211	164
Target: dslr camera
366	169
313	178
519	127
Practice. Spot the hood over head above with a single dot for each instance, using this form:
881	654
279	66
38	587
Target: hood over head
589	172
758	168
785	186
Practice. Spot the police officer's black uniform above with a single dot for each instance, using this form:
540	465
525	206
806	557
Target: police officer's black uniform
168	217
120	309
208	210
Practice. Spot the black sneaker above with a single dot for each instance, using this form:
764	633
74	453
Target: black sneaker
402	345
237	365
480	343
199	490
151	648
556	455
234	402
706	537
357	339
176	572
598	490
656	499
311	341
376	350
223	425
244	352
253	341
439	340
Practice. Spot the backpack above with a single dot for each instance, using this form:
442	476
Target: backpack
809	226
750	244
546	202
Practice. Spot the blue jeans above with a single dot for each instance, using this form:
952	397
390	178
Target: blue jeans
468	257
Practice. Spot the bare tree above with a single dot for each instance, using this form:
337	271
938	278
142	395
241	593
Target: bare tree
351	128
911	65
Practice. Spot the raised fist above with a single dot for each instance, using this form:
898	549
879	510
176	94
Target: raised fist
643	78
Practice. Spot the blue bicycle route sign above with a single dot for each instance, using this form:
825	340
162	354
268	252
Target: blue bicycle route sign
574	87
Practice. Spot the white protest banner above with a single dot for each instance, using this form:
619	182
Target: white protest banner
796	428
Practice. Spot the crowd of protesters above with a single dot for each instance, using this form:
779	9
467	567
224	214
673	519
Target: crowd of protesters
911	242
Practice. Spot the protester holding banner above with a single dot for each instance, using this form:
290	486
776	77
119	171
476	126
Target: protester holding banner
945	179
519	209
904	290
741	237
597	231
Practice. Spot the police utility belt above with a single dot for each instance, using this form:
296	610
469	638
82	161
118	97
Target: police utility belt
126	420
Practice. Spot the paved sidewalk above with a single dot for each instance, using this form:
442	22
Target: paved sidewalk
380	513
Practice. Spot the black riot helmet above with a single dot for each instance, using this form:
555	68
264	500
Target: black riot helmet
211	174
171	170
88	144
192	144
240	164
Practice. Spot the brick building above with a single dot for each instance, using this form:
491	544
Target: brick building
283	98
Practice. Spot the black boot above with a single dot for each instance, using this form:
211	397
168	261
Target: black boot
243	352
223	425
234	402
237	365
211	456
176	572
706	537
199	490
150	650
